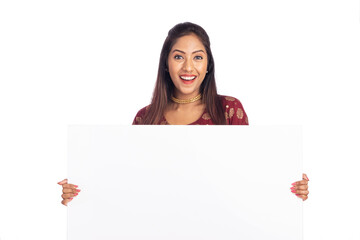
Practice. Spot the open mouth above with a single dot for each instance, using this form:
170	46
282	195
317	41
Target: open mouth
188	79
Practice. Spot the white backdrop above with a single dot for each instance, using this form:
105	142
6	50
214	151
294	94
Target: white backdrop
95	62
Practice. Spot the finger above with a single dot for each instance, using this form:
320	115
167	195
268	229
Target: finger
305	177
298	183
68	195
69	190
301	196
302	187
65	201
70	186
63	181
303	182
301	192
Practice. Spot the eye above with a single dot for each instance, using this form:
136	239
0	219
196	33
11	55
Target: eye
178	57
198	57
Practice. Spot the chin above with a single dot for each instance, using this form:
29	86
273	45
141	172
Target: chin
187	91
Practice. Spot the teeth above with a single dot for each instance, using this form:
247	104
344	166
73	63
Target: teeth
187	78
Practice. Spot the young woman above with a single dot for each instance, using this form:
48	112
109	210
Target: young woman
185	93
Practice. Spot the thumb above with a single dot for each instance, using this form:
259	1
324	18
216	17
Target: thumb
63	181
305	177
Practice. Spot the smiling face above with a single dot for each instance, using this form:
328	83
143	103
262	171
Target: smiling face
187	63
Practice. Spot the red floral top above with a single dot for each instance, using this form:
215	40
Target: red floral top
233	110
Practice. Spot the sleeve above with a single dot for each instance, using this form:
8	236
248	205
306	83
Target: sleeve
234	112
138	119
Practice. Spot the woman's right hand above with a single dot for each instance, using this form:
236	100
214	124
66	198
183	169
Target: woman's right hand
69	191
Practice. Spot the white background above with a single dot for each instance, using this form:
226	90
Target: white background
95	62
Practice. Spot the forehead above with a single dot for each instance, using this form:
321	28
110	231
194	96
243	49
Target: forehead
189	43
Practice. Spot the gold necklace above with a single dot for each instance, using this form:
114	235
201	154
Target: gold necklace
194	99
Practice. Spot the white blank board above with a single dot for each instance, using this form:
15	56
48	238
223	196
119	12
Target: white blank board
185	182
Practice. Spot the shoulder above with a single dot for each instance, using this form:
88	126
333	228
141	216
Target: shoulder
140	115
228	100
234	110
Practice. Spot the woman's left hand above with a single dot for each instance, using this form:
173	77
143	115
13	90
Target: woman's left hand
300	188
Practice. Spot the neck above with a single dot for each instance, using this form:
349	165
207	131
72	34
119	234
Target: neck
185	106
179	107
181	96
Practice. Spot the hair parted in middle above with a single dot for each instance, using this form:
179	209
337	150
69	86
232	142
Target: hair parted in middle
164	86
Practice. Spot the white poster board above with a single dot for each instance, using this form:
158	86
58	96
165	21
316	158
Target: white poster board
185	182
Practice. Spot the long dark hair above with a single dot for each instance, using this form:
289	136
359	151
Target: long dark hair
164	86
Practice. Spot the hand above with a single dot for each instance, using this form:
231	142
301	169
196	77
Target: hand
69	191
300	188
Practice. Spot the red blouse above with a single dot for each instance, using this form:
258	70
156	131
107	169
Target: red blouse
233	110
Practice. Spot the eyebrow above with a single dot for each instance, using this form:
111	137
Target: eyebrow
184	52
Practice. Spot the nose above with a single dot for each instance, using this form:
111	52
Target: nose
188	65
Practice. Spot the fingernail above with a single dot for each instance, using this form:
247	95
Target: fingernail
78	190
76	186
294	191
297	194
71	198
293	184
75	194
292	188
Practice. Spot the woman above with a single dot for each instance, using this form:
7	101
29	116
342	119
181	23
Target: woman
185	93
